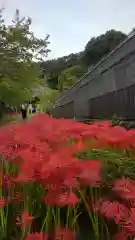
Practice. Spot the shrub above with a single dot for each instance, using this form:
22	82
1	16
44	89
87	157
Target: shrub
8	118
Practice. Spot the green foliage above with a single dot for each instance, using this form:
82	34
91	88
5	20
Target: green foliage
48	98
8	119
69	77
117	163
100	46
96	48
52	69
19	49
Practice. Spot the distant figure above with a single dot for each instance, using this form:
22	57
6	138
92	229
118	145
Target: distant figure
33	109
24	111
30	108
38	108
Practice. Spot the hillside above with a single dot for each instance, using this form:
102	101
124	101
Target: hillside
62	72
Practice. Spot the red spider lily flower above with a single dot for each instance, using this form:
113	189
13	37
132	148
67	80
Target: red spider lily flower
120	236
36	236
57	174
71	183
61	178
27	173
106	124
69	199
52	197
12	114
52	186
64	234
95	206
93	131
129	224
91	173
26	220
113	210
3	203
7	181
118	137
132	203
125	188
61	199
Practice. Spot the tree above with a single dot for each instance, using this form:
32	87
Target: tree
100	46
69	77
19	52
52	69
96	48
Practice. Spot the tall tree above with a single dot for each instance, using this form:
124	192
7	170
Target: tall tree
100	46
19	51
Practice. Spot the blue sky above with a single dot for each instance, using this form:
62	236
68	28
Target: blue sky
71	23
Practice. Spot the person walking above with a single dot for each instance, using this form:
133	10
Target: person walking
24	111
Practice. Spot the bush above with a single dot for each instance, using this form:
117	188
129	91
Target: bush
8	118
128	124
61	179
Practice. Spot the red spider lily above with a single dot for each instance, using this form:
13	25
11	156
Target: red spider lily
132	203
12	114
91	173
59	198
59	173
61	177
3	203
54	183
125	188
26	220
120	236
71	182
49	159
52	197
64	234
36	236
7	181
113	210
129	224
69	199
92	132
116	137
36	159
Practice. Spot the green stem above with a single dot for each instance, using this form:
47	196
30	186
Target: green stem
58	217
68	214
94	224
54	216
95	215
46	220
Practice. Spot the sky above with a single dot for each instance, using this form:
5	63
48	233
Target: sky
72	23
